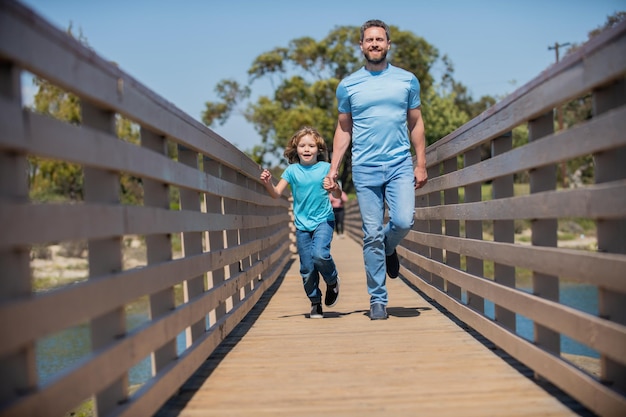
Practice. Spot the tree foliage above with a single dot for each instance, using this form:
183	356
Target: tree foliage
49	179
52	180
441	114
581	170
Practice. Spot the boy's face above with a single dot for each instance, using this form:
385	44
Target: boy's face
307	150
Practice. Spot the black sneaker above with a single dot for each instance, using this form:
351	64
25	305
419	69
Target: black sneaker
378	311
393	264
316	311
332	294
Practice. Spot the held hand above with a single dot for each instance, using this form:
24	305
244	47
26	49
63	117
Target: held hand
421	177
329	185
330	181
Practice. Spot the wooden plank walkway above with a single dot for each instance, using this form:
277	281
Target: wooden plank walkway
278	362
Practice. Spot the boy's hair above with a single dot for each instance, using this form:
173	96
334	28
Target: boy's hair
291	150
375	23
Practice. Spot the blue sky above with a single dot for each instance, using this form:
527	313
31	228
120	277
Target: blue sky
181	49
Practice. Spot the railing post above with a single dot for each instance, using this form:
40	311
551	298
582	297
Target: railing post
544	233
192	242
474	230
451	196
158	246
215	239
232	236
18	371
105	255
503	230
265	230
247	235
435	227
420	226
610	166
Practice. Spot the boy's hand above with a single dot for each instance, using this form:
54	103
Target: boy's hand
329	185
266	176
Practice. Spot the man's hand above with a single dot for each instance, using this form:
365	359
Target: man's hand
421	177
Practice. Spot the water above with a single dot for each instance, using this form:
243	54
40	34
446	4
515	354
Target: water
66	348
579	296
585	298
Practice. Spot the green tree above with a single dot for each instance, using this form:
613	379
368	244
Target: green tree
441	114
49	179
57	180
581	170
52	180
465	102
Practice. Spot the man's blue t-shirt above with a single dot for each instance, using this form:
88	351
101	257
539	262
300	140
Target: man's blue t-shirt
379	102
311	205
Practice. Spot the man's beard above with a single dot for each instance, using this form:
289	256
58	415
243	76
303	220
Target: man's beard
375	61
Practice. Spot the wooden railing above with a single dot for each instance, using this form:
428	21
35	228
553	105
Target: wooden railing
235	239
458	232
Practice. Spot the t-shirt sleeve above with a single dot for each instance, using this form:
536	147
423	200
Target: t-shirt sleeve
287	175
414	94
343	100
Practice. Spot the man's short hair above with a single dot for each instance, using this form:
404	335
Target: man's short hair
375	23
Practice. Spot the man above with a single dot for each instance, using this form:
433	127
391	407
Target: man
380	114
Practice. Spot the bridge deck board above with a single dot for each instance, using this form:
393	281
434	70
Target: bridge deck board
420	361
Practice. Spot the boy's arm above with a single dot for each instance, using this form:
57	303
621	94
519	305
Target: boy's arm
273	190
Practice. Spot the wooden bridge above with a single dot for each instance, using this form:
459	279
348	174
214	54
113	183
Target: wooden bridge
421	361
233	296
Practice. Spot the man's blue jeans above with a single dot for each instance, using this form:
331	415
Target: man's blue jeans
314	250
375	186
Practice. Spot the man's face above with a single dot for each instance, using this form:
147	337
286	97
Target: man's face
375	45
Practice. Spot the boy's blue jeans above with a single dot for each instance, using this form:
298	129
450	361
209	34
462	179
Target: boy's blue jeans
375	186
314	250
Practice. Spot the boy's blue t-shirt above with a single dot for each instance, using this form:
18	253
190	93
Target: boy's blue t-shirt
311	205
378	103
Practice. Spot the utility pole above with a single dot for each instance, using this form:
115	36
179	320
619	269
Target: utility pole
559	112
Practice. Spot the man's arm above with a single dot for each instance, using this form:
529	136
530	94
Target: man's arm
341	141
333	187
418	139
